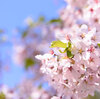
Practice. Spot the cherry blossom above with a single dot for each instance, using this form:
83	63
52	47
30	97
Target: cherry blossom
73	67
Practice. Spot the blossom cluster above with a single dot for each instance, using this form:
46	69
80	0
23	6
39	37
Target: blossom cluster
72	67
75	72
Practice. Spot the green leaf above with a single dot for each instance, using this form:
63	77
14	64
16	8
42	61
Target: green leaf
1	31
41	19
29	97
69	45
63	51
2	95
29	62
55	21
98	45
96	96
58	44
40	86
63	45
69	54
24	34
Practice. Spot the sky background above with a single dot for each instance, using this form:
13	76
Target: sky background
12	15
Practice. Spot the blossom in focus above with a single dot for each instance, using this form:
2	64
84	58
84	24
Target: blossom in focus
73	68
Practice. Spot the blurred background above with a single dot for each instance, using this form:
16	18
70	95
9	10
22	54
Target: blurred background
13	17
26	29
24	24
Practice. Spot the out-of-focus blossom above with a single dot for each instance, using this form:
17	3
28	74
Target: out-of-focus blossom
28	90
8	93
54	97
19	54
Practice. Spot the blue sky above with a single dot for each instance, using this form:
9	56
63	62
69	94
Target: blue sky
12	15
13	12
